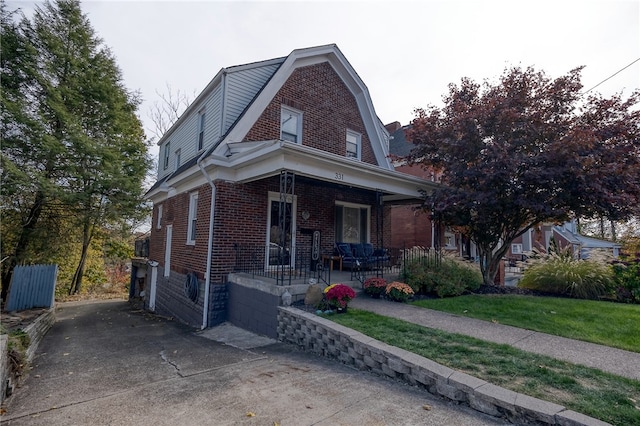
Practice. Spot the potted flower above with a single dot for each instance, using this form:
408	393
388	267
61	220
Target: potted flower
339	296
398	292
374	286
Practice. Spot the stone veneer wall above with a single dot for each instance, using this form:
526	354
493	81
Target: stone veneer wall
324	337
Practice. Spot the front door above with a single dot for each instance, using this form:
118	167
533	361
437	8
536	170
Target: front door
281	231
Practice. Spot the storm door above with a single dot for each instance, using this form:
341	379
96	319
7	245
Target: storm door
281	231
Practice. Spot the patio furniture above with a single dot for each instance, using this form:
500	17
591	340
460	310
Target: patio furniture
361	255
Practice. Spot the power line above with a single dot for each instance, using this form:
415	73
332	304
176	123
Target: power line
611	76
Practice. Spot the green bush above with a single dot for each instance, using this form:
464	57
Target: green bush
627	278
581	279
449	277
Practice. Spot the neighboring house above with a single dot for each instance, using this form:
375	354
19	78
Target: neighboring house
270	166
412	225
566	236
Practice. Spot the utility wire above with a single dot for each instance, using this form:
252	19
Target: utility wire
610	77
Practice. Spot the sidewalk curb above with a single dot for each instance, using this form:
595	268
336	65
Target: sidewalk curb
326	338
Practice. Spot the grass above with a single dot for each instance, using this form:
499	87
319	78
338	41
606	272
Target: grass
589	391
612	324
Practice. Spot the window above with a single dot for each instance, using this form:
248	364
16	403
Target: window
159	222
449	240
516	248
167	152
353	145
291	125
178	152
193	210
201	130
352	223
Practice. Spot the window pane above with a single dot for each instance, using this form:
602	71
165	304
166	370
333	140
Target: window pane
352	150
351	225
353	145
290	125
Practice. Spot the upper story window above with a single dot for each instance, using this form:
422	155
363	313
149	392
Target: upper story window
201	118
167	154
193	214
353	144
178	153
290	125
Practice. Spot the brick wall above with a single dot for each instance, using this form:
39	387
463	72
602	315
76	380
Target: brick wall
184	258
240	217
328	108
172	301
409	227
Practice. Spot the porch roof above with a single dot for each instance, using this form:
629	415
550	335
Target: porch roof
250	161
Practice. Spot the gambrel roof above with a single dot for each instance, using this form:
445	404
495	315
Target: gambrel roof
235	99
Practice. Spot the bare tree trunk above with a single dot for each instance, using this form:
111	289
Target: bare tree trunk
602	231
23	242
614	237
76	282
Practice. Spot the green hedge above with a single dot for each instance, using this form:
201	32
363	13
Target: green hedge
449	277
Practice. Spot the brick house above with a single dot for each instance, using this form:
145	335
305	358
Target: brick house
270	166
413	226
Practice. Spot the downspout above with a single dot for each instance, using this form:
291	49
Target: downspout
207	279
212	207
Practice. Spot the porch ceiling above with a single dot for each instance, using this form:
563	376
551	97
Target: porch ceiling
254	161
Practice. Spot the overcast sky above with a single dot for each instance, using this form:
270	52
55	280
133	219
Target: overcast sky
406	52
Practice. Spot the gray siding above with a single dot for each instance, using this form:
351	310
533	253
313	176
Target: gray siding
242	87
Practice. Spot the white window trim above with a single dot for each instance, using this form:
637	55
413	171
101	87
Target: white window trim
159	222
289	110
516	248
192	218
358	137
293	199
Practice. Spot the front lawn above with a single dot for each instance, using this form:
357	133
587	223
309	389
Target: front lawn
607	323
589	391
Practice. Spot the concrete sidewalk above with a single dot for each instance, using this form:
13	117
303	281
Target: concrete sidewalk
616	361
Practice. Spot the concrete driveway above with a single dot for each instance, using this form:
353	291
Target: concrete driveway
106	363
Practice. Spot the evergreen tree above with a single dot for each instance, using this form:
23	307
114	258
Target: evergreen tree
74	146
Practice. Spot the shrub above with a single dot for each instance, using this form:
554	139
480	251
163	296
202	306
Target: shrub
449	277
375	286
626	274
581	279
398	292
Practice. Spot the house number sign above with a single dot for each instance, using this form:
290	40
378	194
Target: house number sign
339	176
315	246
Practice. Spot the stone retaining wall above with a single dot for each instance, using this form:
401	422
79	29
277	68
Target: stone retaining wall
319	335
36	331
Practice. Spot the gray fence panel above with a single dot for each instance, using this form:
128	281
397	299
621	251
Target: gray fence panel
32	286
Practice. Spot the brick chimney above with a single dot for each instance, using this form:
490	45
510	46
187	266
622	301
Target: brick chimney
393	127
